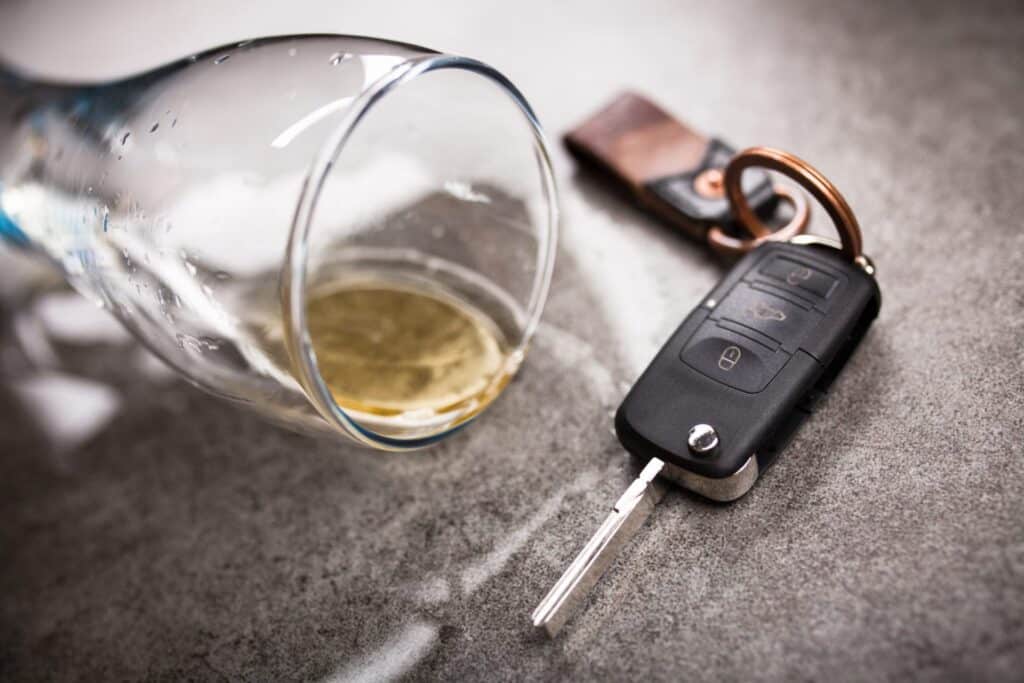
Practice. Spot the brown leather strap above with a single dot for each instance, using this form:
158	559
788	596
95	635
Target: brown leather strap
637	141
675	172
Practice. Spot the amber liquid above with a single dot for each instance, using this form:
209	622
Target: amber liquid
387	348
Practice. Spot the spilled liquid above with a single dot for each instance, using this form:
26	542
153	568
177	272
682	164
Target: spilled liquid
387	348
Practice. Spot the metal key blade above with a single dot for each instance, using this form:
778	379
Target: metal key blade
630	512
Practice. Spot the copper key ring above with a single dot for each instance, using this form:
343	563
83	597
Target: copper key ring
810	179
725	244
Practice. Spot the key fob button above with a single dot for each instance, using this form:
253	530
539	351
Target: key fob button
730	359
771	315
752	389
800	275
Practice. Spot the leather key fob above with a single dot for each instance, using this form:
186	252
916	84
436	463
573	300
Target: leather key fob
665	165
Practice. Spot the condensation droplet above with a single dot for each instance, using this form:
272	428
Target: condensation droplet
339	57
222	59
155	126
125	137
174	122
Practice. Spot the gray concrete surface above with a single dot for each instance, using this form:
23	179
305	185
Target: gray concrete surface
188	539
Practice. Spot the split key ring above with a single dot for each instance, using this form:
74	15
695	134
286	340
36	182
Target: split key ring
808	177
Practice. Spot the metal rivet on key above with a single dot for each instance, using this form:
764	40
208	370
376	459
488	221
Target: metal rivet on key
727	391
703	439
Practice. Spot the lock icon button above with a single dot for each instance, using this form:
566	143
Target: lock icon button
730	357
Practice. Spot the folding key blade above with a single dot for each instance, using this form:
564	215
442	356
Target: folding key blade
629	514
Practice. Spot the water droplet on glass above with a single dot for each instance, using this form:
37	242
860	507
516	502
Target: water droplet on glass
174	122
124	139
244	43
155	126
339	57
106	218
222	59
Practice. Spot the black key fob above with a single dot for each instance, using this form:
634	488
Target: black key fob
727	391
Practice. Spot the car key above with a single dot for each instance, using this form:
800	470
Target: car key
727	391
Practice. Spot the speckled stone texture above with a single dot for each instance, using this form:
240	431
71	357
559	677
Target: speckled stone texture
188	539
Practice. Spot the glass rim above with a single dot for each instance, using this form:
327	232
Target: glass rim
293	292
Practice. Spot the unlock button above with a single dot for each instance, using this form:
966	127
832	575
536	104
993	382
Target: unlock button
800	275
732	359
